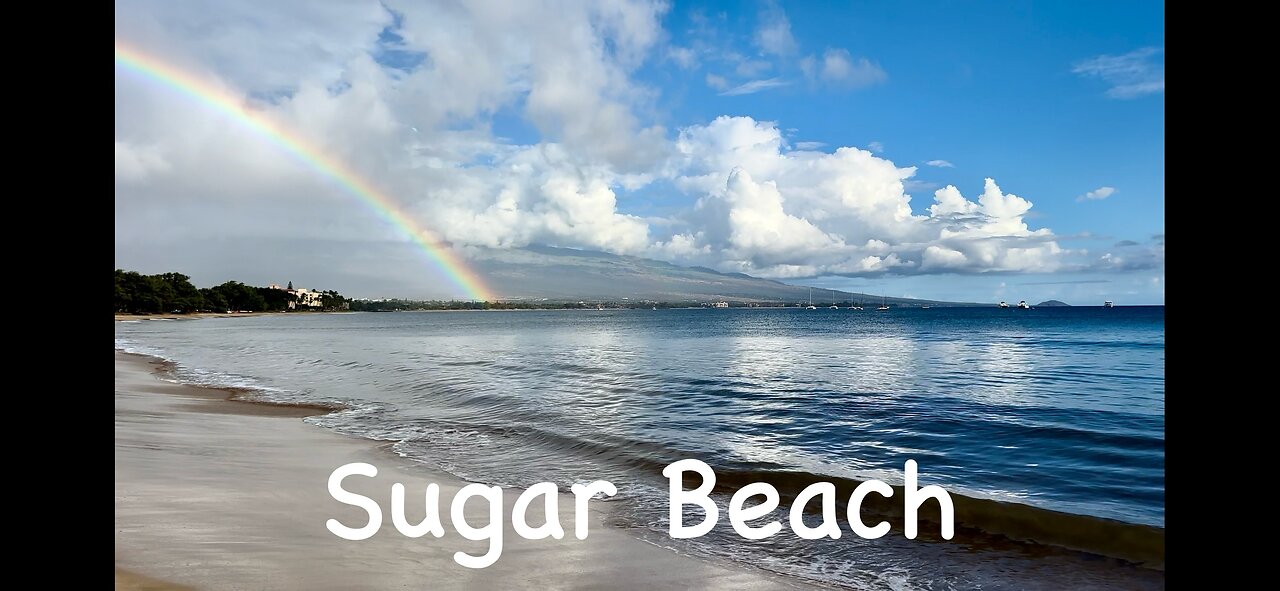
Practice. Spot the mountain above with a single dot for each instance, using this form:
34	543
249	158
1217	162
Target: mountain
563	274
1053	304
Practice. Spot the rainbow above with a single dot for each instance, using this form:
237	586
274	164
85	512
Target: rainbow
226	103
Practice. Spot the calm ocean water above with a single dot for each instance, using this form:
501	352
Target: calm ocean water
1060	409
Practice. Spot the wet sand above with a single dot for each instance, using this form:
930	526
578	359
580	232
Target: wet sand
213	493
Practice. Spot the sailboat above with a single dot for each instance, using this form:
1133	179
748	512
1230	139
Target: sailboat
883	307
833	301
857	307
811	306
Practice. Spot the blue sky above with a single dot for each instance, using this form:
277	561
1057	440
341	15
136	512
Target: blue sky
987	87
705	133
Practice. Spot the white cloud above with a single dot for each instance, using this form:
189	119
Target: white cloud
845	212
836	68
717	82
773	32
940	164
876	147
841	69
683	57
942	258
776	62
1137	73
754	86
1097	194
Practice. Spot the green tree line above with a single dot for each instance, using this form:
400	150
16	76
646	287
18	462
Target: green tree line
166	293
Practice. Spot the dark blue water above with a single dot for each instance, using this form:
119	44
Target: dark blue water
1055	408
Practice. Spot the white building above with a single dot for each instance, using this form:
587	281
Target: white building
306	297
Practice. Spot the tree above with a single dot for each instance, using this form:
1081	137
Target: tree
275	299
213	300
173	292
241	297
330	300
178	292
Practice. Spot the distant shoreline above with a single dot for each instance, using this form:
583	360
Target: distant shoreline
194	315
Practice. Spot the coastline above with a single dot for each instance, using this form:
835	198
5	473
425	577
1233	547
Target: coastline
215	491
195	315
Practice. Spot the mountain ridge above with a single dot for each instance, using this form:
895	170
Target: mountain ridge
548	273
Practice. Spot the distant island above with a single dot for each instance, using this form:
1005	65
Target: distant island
1053	304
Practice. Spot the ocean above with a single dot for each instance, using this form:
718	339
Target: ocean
1026	417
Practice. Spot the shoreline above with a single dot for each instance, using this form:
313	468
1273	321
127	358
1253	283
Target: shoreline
216	491
197	315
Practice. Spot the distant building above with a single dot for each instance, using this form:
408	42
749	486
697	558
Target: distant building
306	297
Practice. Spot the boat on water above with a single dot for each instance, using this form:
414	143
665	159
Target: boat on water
1023	304
1003	305
1108	304
720	304
924	307
811	306
833	305
883	306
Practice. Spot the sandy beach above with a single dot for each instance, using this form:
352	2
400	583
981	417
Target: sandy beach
213	493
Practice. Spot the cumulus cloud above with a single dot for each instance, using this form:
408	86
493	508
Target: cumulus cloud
940	164
1131	75
845	212
1097	194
